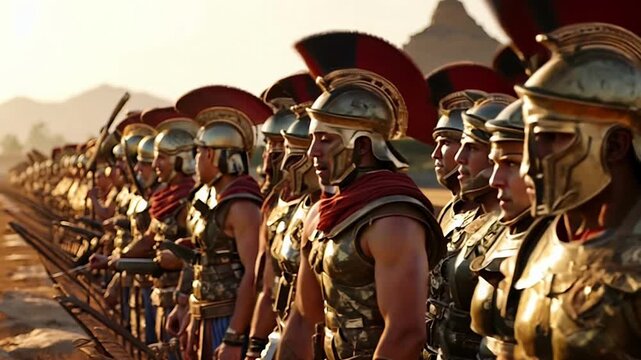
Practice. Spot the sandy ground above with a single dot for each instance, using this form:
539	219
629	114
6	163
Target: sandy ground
32	324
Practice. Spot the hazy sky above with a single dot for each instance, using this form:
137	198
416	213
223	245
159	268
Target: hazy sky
54	49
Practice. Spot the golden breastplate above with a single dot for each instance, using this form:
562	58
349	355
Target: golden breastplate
218	272
286	228
352	317
452	288
580	300
488	297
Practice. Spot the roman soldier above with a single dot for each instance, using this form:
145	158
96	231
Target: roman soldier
284	222
376	238
454	88
274	151
503	237
174	165
227	233
452	282
573	287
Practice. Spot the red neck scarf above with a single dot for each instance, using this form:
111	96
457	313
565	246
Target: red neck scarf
166	201
240	185
365	189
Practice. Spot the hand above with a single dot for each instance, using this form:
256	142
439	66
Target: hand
226	352
168	261
191	345
98	261
108	224
111	261
93	192
177	322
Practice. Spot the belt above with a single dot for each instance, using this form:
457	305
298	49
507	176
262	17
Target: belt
210	310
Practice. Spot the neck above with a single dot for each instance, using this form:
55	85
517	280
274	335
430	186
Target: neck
609	208
177	178
520	223
488	201
221	184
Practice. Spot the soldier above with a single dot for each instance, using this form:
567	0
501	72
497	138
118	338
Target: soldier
140	219
502	241
372	240
452	282
274	144
174	165
450	88
227	236
284	223
576	276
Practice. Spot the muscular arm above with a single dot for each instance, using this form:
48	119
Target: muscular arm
397	245
243	221
296	340
264	318
102	212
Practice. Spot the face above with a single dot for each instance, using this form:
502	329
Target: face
145	173
472	160
443	156
272	155
102	180
322	152
541	145
118	173
164	167
205	168
506	178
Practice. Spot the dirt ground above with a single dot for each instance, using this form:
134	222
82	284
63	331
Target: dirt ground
32	324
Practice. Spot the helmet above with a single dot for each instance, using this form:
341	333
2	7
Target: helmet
372	91
296	163
175	137
227	116
591	85
455	87
146	149
302	178
508	124
451	108
475	130
280	96
523	20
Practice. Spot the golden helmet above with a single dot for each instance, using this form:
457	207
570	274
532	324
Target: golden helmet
227	116
296	164
370	89
508	124
300	90
476	117
591	84
146	149
476	131
455	87
174	138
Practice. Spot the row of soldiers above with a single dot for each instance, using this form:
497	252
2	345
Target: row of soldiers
340	255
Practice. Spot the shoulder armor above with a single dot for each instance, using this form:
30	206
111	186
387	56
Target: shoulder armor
376	204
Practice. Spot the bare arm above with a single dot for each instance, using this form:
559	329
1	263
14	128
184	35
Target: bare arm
397	245
102	212
264	318
243	221
296	340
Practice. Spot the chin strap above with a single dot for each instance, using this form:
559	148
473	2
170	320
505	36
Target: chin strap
523	215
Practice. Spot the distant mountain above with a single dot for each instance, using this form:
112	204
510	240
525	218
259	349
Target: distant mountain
75	119
452	36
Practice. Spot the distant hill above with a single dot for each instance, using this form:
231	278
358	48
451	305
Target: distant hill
452	36
76	118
